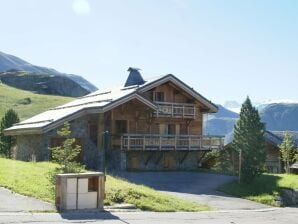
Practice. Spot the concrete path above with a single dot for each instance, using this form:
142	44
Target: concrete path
265	216
13	202
195	186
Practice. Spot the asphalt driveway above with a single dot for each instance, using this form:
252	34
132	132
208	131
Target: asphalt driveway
13	202
195	186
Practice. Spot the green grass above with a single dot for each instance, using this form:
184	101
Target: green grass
14	98
30	179
263	189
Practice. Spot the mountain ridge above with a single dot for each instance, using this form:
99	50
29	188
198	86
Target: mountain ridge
13	63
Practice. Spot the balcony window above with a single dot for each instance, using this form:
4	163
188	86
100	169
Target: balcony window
169	129
159	96
121	126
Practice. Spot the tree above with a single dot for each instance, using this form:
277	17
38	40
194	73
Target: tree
66	154
7	142
287	150
249	141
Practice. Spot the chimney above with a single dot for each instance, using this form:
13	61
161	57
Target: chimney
134	77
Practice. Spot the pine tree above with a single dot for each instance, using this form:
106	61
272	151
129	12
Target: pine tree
66	154
249	139
287	150
7	142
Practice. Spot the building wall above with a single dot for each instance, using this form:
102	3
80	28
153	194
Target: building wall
30	146
272	163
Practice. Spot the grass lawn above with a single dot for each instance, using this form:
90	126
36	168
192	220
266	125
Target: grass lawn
264	189
14	98
30	179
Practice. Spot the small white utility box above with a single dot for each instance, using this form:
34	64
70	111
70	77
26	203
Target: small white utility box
80	191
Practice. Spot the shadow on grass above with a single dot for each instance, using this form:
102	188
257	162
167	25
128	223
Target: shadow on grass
265	184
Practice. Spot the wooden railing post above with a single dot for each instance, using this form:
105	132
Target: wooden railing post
121	142
144	139
159	142
128	142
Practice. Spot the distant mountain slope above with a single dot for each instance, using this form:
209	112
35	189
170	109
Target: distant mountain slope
43	83
276	116
10	62
27	103
220	123
280	116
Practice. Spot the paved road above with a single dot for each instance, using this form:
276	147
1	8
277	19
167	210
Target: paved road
195	186
12	202
267	216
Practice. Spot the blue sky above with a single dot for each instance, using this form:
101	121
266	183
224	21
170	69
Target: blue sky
225	49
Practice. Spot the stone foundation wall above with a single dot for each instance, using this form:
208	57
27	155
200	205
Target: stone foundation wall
29	146
159	160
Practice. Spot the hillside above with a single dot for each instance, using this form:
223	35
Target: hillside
27	103
220	123
276	116
43	83
280	116
10	62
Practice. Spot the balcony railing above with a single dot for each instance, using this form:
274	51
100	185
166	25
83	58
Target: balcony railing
179	110
170	142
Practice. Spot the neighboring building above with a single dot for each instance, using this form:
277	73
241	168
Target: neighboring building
154	125
273	140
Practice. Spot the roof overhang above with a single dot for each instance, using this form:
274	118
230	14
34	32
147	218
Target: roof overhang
80	113
212	108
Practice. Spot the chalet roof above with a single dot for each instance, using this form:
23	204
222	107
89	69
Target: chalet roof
273	137
98	102
280	134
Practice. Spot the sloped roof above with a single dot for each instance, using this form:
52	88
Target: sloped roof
273	137
98	102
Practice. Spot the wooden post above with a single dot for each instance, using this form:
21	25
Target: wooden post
240	164
159	142
144	140
128	142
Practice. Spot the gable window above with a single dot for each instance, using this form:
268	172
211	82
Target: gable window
159	96
120	126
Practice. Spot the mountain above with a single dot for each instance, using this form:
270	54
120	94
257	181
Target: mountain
233	105
13	63
220	123
280	116
43	83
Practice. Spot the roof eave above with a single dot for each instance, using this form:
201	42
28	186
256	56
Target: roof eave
212	108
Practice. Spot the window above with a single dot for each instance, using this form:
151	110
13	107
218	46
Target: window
121	126
168	129
158	96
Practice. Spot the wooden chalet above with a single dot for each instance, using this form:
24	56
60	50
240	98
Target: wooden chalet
150	124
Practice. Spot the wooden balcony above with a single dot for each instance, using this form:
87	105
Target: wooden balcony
176	110
150	142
